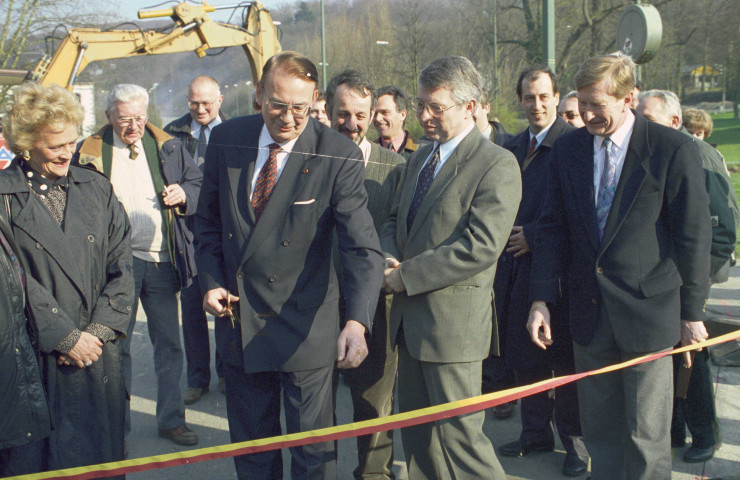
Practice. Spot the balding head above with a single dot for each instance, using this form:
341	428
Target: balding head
204	99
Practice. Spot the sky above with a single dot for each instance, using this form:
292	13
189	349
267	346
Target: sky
128	9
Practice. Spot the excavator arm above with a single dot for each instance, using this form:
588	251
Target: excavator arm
194	31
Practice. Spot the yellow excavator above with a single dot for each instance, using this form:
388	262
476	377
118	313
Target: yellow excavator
193	30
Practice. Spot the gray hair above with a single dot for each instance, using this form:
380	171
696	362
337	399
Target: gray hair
571	94
457	74
127	92
671	103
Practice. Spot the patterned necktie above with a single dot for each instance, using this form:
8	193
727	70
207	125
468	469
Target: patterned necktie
426	176
133	151
202	145
532	145
607	187
265	181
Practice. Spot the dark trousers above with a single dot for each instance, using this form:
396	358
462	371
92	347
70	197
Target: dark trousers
371	386
156	285
626	414
697	410
23	459
253	411
538	411
196	338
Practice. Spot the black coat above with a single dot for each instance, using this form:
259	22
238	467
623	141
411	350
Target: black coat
651	268
511	285
87	271
21	391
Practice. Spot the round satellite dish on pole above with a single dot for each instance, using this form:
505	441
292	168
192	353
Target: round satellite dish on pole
639	32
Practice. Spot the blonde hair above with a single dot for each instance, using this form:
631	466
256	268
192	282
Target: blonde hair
697	119
618	69
34	107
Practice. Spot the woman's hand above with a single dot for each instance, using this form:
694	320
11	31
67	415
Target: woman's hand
86	351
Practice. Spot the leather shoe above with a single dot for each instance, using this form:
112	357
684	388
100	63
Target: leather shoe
573	465
519	449
181	435
193	394
698	455
503	411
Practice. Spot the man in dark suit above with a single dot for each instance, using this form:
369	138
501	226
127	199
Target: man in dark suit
276	188
538	96
449	223
625	229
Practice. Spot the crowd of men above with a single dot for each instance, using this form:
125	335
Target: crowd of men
468	260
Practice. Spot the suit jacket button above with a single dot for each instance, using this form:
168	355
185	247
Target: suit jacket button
285	243
593	300
229	235
90	238
240	275
599	270
272	279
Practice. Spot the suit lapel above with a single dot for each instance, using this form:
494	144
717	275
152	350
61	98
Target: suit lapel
581	170
630	180
283	195
445	176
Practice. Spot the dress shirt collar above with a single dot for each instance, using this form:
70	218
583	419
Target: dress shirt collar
266	139
541	136
365	148
195	127
621	138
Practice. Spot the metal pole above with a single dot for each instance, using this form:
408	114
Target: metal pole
323	48
548	24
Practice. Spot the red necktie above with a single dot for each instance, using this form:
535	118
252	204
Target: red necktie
532	145
265	181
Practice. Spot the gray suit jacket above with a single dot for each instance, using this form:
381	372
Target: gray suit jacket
449	255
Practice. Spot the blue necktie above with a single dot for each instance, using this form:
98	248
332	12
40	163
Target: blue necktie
426	176
607	187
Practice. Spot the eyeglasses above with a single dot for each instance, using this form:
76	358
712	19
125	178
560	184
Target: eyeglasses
434	110
197	105
128	121
275	108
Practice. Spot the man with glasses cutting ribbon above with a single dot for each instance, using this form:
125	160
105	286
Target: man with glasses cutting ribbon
276	187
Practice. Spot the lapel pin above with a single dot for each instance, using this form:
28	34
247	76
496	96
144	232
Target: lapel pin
305	171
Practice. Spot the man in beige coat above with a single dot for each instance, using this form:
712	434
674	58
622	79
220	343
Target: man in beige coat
449	223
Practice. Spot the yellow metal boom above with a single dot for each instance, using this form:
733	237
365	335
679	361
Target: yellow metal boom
193	31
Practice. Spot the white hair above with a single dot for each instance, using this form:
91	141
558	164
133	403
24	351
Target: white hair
127	92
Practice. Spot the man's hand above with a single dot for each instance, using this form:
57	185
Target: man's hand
517	243
538	325
351	345
87	349
217	302
392	281
691	333
174	195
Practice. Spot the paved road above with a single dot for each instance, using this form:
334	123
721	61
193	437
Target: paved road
208	417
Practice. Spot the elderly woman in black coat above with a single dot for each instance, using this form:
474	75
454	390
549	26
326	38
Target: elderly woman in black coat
74	234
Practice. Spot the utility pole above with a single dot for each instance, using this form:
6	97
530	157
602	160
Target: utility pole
495	49
548	37
323	48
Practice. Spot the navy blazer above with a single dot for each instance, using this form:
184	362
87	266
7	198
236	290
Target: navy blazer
511	285
651	268
280	267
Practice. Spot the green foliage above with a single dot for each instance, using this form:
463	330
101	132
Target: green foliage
304	14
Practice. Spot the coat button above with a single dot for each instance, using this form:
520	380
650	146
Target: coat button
229	235
128	308
39	247
272	279
28	435
285	243
105	379
599	270
54	310
239	275
17	350
90	238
